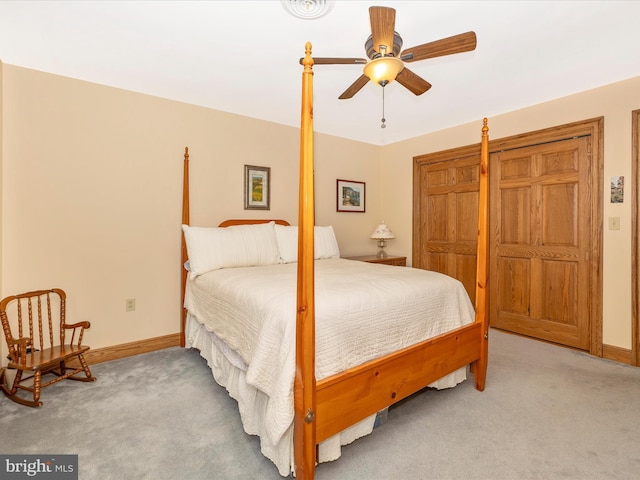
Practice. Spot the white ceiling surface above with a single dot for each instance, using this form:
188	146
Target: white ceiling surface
242	56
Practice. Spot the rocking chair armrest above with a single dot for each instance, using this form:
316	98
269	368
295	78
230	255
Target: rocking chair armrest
79	327
21	344
84	324
26	341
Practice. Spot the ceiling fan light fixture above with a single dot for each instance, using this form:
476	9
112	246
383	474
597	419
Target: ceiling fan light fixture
383	70
308	9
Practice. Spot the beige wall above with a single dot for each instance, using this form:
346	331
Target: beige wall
91	191
615	103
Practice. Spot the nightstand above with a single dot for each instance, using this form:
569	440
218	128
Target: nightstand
388	260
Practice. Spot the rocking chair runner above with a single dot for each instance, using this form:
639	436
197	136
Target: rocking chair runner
34	351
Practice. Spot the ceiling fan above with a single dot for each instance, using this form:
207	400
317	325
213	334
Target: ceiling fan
387	62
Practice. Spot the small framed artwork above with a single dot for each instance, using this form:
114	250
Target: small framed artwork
257	187
617	189
350	196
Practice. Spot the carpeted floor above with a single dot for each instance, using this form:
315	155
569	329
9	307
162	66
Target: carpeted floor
547	413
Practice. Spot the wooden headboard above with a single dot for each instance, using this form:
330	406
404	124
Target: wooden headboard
242	221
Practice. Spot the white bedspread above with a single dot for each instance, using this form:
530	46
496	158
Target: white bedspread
363	311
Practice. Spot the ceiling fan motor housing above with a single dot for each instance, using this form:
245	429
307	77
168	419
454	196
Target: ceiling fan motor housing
373	52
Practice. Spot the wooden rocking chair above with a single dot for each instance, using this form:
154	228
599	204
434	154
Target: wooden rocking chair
33	351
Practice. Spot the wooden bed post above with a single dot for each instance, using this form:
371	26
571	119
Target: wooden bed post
185	221
482	267
304	430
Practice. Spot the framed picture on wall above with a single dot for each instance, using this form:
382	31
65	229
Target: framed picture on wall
257	187
350	196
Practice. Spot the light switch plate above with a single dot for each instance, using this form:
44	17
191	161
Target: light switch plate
614	223
130	304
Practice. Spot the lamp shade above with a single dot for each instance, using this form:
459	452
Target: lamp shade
383	70
382	232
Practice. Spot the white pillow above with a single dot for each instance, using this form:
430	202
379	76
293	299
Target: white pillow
287	238
325	244
212	248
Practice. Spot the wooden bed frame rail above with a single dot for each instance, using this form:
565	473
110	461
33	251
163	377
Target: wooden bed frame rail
328	406
354	394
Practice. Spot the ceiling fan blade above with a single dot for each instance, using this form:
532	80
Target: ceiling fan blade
337	61
383	23
417	85
354	88
464	42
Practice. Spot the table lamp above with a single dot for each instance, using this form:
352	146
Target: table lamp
382	234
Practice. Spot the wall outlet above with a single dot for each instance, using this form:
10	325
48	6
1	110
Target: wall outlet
130	304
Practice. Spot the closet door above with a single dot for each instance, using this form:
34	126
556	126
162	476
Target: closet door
446	215
541	231
545	214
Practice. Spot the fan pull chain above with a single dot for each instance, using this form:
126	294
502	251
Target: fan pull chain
383	119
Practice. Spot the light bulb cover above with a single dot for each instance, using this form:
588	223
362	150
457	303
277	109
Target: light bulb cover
383	70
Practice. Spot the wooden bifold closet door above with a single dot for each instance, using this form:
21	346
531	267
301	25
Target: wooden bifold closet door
540	229
545	270
445	230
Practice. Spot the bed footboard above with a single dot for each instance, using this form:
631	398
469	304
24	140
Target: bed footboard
326	407
348	397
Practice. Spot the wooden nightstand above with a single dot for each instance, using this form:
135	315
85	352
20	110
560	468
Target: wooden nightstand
389	260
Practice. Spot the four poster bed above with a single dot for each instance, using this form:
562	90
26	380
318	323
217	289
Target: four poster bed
255	288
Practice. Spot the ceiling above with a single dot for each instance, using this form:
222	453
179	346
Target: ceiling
242	56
